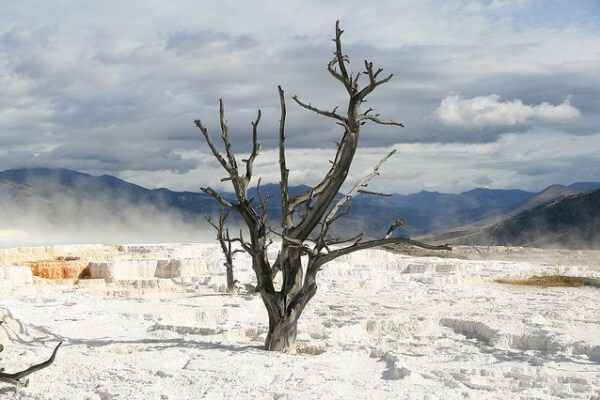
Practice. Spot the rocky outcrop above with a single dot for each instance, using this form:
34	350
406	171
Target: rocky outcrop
118	270
123	269
65	268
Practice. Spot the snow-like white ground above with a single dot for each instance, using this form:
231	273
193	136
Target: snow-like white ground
382	326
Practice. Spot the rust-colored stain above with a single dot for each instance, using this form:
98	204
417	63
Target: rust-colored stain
60	268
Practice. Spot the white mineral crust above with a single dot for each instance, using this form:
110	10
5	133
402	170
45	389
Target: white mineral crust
156	323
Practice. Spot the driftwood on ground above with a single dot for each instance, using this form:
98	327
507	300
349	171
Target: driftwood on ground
18	378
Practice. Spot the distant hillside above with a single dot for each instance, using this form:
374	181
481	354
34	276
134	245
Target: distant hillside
548	195
585	186
571	222
66	199
50	206
422	212
51	183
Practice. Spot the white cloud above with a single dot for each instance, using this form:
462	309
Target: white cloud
515	160
489	111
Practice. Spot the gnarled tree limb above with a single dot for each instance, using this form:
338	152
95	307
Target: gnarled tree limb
363	191
255	149
330	114
376	119
286	214
211	144
16	378
325	258
218	198
330	217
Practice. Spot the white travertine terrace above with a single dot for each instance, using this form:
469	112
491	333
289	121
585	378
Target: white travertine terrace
155	322
15	275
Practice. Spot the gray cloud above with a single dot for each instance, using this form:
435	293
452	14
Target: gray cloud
200	42
116	88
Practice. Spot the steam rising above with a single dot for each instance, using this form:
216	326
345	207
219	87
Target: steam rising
62	219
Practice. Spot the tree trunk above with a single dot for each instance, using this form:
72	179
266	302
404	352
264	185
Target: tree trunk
282	334
286	307
230	282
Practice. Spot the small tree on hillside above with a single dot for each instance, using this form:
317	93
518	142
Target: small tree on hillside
309	213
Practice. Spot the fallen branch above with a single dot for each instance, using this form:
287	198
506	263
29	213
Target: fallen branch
16	378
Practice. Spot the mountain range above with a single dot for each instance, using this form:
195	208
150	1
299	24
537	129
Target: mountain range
57	195
570	222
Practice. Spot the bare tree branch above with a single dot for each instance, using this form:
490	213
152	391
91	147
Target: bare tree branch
296	243
363	191
330	114
341	59
256	224
255	149
324	258
245	245
373	82
15	378
210	221
218	198
211	145
345	210
286	214
393	228
354	239
225	241
226	141
376	119
334	73
263	203
329	218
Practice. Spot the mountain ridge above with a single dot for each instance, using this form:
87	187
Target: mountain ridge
570	222
424	211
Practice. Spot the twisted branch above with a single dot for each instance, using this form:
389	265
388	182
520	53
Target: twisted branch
286	214
218	198
331	215
255	149
330	114
16	378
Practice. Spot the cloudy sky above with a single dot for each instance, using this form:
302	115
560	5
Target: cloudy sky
499	94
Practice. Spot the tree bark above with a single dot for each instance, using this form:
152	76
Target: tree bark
283	311
17	378
282	334
230	281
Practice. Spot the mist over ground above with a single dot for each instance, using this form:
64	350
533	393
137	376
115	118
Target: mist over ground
45	206
61	219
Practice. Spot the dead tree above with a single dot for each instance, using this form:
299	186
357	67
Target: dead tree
226	246
18	378
311	212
